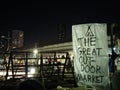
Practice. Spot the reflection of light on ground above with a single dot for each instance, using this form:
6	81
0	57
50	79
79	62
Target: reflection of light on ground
32	70
17	74
2	73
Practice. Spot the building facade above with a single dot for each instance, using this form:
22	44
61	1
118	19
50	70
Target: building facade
17	38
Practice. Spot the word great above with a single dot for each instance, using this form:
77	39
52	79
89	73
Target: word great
89	51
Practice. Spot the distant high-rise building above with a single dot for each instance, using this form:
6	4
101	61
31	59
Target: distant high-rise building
61	31
17	38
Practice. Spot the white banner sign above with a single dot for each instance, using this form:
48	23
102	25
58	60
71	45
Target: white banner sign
90	49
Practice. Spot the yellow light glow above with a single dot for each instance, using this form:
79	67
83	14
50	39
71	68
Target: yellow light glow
35	51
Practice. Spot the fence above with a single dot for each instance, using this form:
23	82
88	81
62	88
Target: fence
45	65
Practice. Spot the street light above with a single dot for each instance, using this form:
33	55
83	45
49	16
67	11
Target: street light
35	51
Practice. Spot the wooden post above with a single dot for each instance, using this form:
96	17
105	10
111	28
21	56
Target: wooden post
26	65
11	59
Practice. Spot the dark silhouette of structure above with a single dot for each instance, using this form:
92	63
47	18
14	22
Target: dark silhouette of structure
30	84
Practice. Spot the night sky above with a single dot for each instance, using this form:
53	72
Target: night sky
40	20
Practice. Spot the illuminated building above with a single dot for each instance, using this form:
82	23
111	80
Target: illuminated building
17	38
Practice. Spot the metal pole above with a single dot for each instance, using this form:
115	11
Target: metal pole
112	28
26	65
112	51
